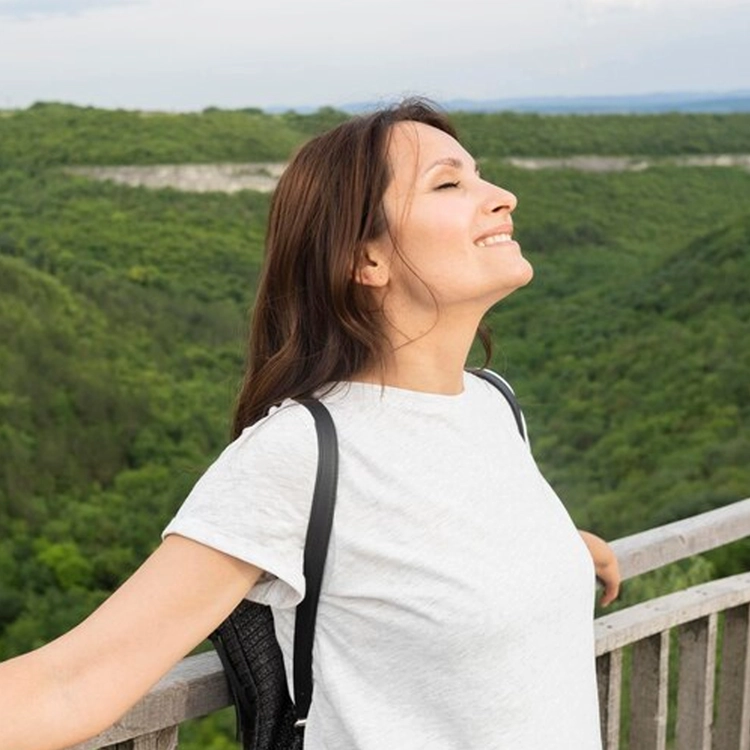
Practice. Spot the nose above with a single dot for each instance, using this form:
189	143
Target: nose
500	199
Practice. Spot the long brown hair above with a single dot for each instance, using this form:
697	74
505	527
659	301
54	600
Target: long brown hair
312	323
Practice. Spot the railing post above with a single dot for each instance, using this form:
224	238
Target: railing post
609	679
164	739
733	719
648	693
695	687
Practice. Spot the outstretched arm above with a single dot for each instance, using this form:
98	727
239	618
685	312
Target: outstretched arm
81	683
605	564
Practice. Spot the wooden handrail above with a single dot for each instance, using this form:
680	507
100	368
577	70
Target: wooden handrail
649	618
196	686
654	548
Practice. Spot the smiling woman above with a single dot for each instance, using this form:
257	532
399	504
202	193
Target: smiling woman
456	607
449	254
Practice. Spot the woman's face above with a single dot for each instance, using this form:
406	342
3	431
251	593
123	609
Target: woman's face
452	230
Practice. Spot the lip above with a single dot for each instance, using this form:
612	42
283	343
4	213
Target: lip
506	228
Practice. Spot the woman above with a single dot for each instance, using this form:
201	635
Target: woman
456	610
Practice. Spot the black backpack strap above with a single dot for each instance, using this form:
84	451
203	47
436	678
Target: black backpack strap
503	386
316	549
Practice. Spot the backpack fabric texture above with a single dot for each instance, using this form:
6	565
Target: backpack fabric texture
267	718
254	666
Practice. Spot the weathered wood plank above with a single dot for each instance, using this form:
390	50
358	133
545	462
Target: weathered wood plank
695	690
609	678
648	693
649	550
656	615
164	739
733	715
195	687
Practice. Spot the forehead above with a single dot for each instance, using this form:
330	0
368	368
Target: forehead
414	147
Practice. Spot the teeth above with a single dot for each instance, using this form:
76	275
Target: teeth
495	239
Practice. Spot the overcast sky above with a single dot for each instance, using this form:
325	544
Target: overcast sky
189	54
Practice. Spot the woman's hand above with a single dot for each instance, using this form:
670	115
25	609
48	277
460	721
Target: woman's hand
605	564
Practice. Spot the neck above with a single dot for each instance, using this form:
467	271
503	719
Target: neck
432	361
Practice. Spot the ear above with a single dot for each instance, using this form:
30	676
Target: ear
373	269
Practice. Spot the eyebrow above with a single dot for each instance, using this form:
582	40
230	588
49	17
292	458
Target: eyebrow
449	161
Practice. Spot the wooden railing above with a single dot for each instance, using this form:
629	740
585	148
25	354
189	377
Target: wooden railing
706	718
695	619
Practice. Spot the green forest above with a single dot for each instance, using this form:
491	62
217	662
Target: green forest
123	314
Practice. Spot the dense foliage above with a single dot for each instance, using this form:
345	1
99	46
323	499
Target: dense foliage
122	314
50	133
630	345
514	134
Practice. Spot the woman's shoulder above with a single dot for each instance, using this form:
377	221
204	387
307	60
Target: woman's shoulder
285	435
495	389
287	419
488	380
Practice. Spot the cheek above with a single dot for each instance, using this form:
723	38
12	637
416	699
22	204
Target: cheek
432	241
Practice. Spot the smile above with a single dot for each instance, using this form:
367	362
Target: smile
494	239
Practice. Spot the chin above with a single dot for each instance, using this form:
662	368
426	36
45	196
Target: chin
529	273
521	275
519	279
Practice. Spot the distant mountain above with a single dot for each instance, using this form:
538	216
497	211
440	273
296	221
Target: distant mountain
705	101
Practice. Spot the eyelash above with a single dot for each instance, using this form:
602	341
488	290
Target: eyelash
446	185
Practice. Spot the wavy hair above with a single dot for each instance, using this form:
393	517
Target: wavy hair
312	323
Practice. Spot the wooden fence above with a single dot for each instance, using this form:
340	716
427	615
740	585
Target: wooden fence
711	713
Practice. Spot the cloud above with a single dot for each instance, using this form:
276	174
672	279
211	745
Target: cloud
621	3
24	9
656	5
236	53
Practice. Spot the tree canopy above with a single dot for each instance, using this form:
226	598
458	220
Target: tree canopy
123	316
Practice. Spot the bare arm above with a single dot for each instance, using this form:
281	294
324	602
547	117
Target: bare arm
81	683
606	565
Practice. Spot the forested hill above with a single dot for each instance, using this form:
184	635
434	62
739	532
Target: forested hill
50	133
122	317
639	388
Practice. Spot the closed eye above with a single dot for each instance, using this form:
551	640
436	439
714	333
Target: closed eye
446	185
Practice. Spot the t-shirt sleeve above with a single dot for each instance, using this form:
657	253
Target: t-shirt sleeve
253	502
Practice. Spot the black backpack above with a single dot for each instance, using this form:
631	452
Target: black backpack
267	718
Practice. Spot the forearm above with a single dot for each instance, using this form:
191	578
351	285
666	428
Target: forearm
78	685
40	708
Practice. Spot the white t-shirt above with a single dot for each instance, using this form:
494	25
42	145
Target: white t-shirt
457	604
